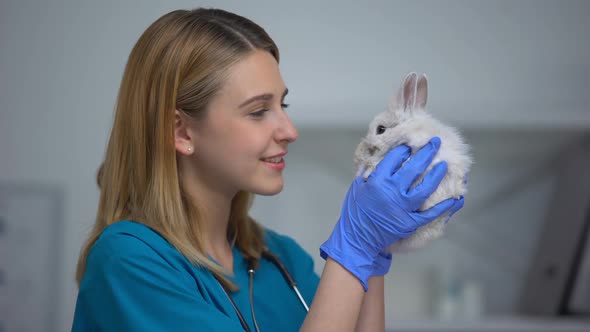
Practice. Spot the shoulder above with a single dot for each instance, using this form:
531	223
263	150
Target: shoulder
298	262
127	237
288	250
280	242
136	281
130	241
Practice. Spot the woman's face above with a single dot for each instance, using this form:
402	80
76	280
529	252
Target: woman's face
245	125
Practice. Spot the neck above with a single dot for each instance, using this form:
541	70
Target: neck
215	209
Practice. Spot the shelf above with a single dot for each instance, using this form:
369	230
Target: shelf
465	117
520	324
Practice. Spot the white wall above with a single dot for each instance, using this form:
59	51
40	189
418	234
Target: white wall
505	72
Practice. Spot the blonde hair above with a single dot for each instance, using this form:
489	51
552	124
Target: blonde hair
179	62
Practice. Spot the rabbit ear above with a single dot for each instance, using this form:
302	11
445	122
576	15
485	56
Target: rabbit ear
407	92
421	92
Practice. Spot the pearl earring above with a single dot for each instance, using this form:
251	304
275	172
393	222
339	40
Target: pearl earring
189	149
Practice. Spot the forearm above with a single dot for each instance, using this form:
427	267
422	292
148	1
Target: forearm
337	302
372	314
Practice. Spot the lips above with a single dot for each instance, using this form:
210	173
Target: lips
276	158
277	155
275	162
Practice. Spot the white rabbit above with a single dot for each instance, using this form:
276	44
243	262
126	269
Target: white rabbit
406	121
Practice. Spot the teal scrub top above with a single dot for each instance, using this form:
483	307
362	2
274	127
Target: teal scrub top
135	280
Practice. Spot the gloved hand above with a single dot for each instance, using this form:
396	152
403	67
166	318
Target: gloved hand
381	264
381	210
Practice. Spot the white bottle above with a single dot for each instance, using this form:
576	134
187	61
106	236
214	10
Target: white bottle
449	287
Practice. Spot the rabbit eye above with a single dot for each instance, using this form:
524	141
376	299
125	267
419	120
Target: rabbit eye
380	129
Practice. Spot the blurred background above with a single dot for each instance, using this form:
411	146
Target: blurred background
512	76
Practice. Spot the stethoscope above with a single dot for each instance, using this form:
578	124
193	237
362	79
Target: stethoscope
251	268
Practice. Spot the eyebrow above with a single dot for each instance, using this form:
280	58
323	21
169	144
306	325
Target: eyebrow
265	97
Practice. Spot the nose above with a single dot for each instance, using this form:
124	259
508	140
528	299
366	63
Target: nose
286	131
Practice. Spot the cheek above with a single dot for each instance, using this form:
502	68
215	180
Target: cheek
245	148
241	142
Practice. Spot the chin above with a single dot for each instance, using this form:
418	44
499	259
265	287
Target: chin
269	189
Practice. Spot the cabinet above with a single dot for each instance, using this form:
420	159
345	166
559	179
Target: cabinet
30	237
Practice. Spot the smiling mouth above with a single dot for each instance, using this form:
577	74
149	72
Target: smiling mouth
276	160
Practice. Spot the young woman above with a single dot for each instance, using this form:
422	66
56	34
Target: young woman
200	128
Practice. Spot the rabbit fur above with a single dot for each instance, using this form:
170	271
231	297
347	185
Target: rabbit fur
406	121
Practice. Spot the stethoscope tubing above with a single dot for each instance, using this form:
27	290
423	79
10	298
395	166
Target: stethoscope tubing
251	270
274	259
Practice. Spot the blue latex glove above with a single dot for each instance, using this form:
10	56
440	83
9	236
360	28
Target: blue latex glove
381	210
381	264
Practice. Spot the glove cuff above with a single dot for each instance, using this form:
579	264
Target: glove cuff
382	264
360	267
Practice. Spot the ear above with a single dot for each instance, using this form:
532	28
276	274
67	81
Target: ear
421	92
407	92
183	136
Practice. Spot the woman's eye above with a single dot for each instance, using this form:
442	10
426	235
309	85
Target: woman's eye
259	114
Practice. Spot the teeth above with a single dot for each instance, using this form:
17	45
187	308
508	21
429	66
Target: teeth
274	160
